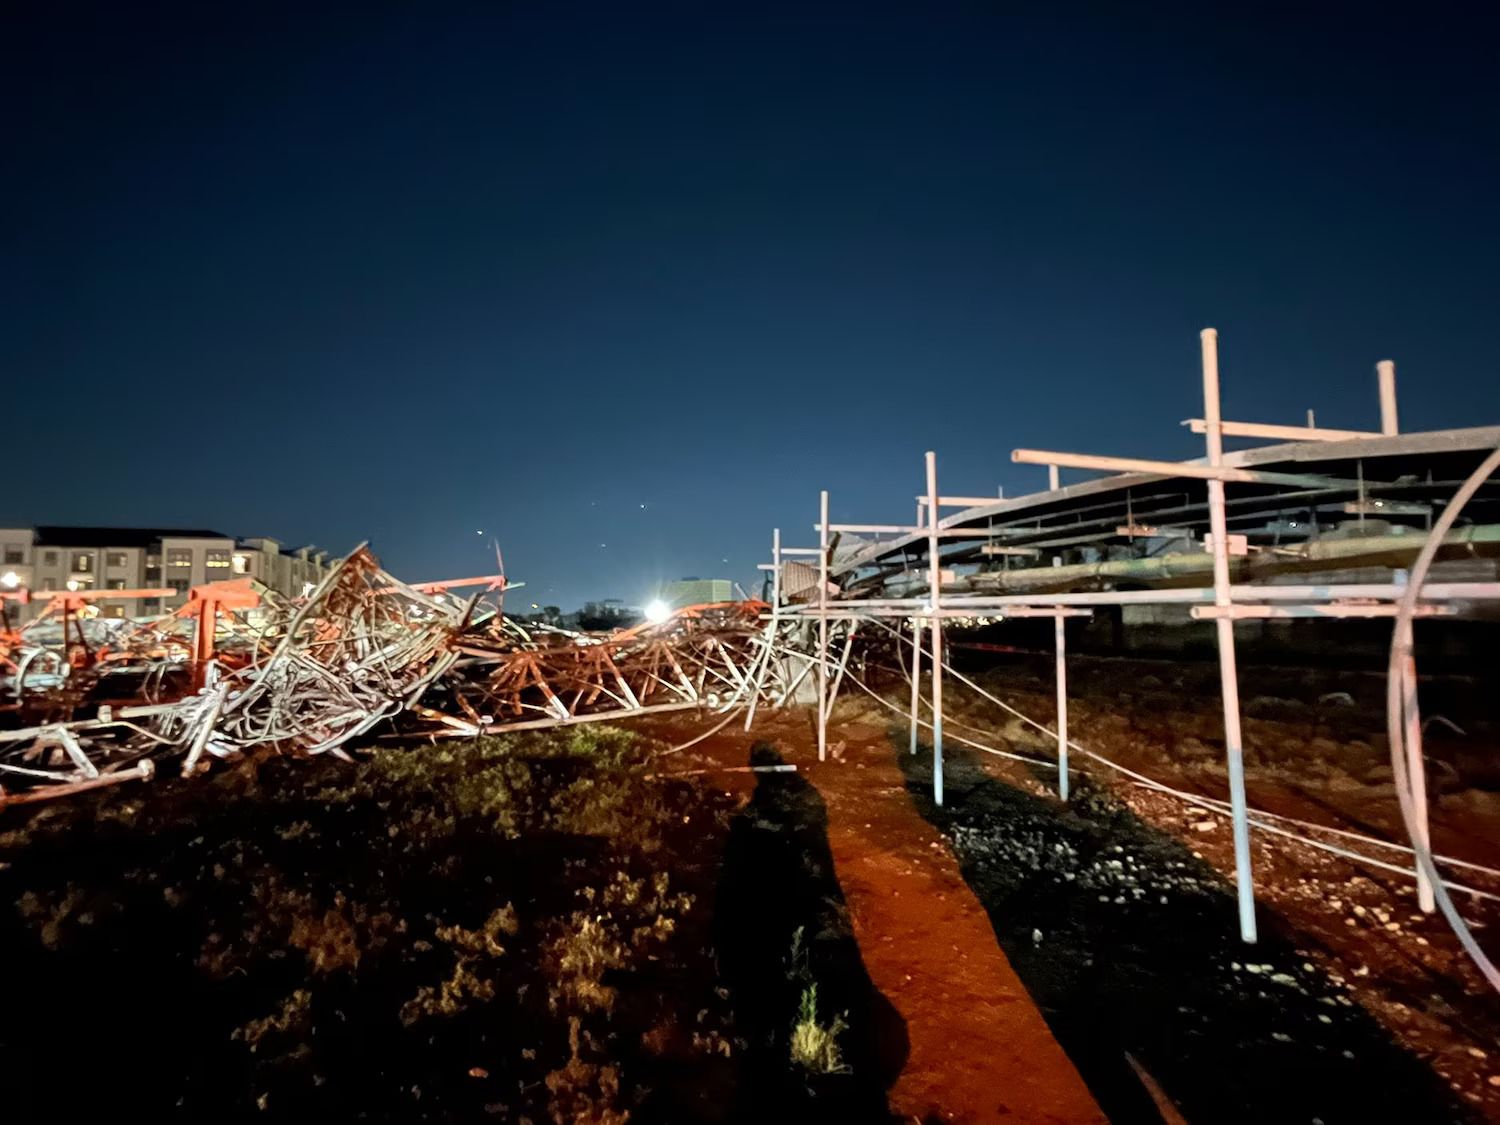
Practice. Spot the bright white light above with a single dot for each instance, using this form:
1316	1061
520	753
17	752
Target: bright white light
658	611
307	588
10	580
72	583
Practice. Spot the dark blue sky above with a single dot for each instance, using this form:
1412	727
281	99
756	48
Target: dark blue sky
405	273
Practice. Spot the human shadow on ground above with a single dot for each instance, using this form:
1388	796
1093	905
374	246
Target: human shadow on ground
1130	946
785	941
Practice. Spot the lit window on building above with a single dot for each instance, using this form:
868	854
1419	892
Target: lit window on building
242	564
216	559
115	584
179	557
83	562
116	559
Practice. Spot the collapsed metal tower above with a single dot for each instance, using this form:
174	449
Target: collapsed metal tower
239	670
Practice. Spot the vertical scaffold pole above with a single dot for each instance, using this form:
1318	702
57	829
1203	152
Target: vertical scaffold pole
1060	636
1385	373
1229	680
935	582
916	679
823	627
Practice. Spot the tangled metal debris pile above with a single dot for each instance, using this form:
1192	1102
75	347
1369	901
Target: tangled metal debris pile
238	670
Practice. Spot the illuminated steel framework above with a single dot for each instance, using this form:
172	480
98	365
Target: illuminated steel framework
1324	523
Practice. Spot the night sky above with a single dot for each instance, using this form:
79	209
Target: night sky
624	285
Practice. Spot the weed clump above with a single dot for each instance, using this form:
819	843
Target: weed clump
470	980
815	1045
294	1014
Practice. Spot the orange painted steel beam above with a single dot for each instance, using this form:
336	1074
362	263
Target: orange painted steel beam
77	599
234	593
206	603
488	581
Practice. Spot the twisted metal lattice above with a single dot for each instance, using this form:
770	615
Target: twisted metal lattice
362	651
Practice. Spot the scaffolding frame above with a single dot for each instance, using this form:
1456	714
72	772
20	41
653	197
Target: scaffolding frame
1224	601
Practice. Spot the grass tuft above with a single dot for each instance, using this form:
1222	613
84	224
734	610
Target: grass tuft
815	1046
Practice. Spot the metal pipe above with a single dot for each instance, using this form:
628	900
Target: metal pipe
1385	373
823	626
871	528
1213	471
1432	593
1059	635
948	612
1416	768
935	583
1229	682
838	677
1268	612
916	677
1308	432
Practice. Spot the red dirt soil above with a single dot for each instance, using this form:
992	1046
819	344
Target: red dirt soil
979	1048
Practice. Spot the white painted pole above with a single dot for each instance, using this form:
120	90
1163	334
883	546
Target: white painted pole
1062	706
916	677
1059	638
1229	681
1054	478
935	582
1385	372
823	627
1416	769
1193	469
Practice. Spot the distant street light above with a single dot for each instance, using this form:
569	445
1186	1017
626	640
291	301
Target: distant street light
10	580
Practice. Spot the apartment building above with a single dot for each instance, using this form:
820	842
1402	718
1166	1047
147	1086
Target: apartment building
696	591
44	559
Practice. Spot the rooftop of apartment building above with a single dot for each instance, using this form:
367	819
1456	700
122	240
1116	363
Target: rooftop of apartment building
57	535
61	535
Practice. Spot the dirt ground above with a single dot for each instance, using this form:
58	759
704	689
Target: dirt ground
1314	750
578	926
976	1046
542	928
1115	922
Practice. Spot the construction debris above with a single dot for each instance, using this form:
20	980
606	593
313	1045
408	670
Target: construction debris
239	670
